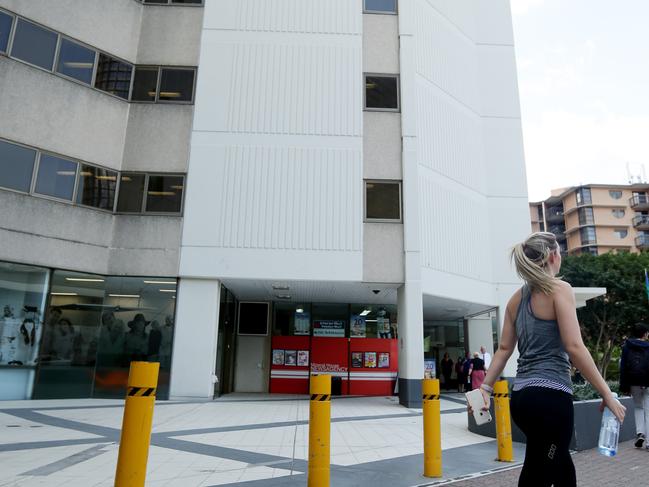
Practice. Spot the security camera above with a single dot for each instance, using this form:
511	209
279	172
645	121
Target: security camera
376	291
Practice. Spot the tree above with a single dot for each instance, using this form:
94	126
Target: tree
607	320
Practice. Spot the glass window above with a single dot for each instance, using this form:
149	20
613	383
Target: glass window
5	29
386	6
195	2
145	84
131	193
292	319
23	293
16	166
618	213
616	195
589	250
588	235
156	1
96	187
373	321
176	84
76	61
583	196
382	92
621	232
164	194
330	320
586	216
113	76
56	177
382	201
34	44
253	319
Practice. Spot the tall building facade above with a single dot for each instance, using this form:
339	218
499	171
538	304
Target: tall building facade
596	218
252	191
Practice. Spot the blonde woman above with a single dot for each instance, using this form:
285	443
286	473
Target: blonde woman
541	318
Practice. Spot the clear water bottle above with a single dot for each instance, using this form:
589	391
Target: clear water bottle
609	433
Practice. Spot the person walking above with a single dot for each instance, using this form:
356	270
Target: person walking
541	318
634	379
447	370
486	357
466	367
459	371
477	371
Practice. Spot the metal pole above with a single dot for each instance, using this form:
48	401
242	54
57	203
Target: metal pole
319	431
432	429
503	422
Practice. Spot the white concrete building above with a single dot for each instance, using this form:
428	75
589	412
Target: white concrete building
354	178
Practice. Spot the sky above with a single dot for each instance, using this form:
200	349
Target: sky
583	76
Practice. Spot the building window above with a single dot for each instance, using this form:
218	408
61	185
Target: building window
584	197
164	194
56	177
586	216
16	166
6	22
383	200
588	235
96	187
113	76
34	44
172	2
542	226
616	195
145	84
76	61
621	232
380	6
253	319
131	193
618	213
176	85
589	250
382	92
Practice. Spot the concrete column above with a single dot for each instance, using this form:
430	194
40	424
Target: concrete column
193	362
411	343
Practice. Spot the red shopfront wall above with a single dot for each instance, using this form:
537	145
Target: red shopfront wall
373	381
289	379
331	356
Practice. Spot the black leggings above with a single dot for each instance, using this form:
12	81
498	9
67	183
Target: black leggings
546	416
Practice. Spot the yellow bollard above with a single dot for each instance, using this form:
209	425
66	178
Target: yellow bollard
319	431
503	422
432	429
136	425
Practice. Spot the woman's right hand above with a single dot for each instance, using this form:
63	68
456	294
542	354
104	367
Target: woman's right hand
615	406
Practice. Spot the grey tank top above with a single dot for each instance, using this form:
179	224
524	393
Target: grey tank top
542	355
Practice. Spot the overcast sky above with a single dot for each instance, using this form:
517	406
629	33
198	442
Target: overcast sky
583	74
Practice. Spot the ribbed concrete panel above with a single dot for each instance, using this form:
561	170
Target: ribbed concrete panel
461	13
312	16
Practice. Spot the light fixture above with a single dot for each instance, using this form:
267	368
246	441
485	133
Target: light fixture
124	295
365	312
283	296
176	186
85	173
161	193
107	178
64	294
78	65
170	94
299	310
280	287
66	173
167	290
159	282
126	178
84	279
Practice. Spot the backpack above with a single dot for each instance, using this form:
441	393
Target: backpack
637	365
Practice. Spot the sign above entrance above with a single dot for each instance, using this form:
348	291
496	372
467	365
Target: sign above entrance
329	328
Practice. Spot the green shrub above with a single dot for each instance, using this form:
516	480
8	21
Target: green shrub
585	392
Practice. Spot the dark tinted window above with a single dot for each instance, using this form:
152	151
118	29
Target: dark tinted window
96	187
195	2
16	166
131	192
176	84
76	61
253	318
381	92
588	235
383	201
389	6
113	76
5	30
164	194
56	177
34	44
145	84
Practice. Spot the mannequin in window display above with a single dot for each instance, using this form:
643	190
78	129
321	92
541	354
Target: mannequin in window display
137	339
111	343
383	324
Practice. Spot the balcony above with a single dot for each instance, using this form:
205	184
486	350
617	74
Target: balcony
559	231
639	202
553	215
641	222
642	242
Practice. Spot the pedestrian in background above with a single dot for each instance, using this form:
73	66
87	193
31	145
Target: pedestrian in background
459	371
634	379
477	371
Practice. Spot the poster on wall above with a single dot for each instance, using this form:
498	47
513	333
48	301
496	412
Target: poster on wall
358	326
303	358
384	360
370	360
302	323
290	357
383	326
278	357
429	369
20	332
329	328
357	359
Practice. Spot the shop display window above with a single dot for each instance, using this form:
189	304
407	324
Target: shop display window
373	321
292	319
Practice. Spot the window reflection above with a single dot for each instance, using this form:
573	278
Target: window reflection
164	194
16	166
56	177
5	29
113	76
96	187
176	84
131	193
76	61
145	84
34	44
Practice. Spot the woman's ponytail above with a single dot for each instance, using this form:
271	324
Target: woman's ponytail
531	258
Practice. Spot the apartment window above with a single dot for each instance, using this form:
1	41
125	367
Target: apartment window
6	21
381	92
56	177
618	213
176	84
380	6
96	187
588	235
586	216
616	195
539	210
145	84
589	250
16	166
542	226
382	200
76	61
131	193
584	196
164	194
34	44
621	232
113	76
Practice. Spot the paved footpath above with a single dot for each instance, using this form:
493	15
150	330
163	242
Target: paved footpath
629	469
